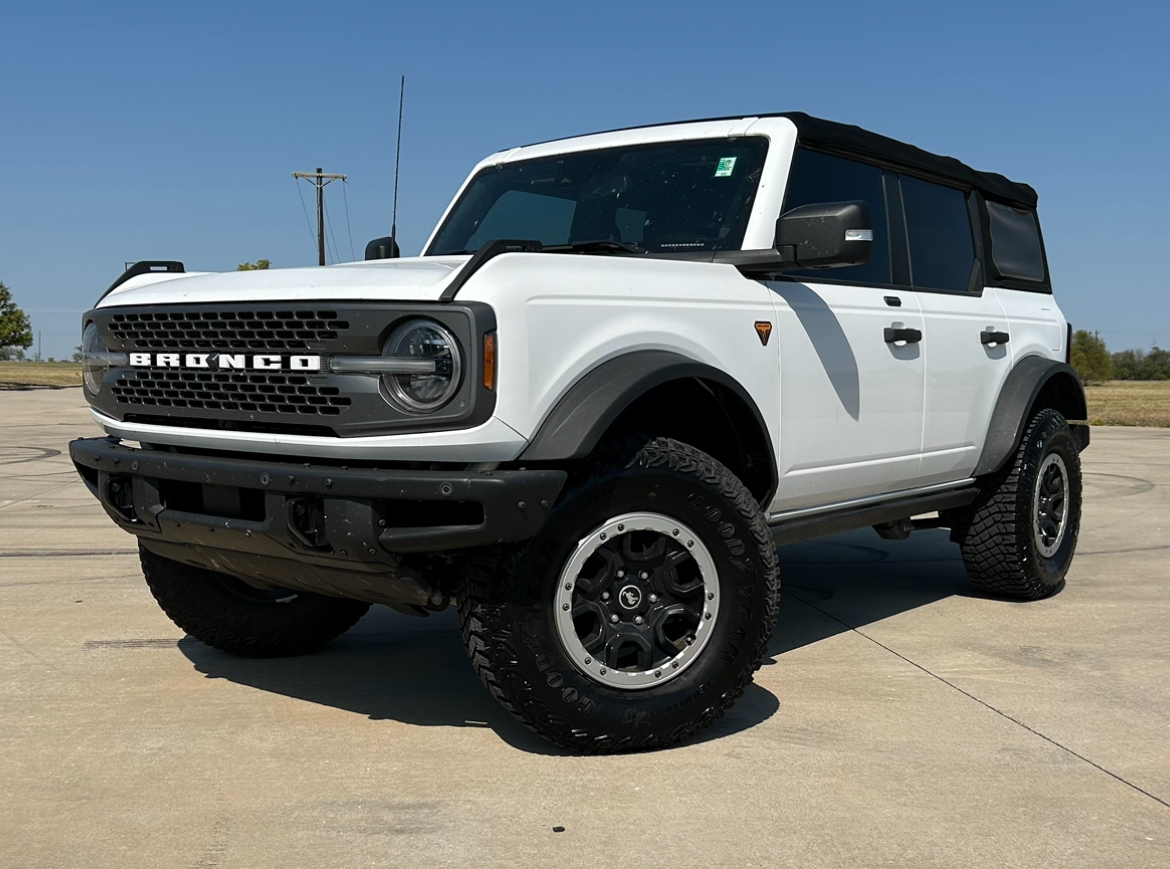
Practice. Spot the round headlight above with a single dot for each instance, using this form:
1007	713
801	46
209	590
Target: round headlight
423	392
95	359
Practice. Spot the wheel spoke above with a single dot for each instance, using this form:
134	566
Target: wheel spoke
591	621
647	556
628	650
672	626
601	578
676	563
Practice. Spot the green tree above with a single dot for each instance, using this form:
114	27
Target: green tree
1158	364
1140	365
259	265
1090	357
15	329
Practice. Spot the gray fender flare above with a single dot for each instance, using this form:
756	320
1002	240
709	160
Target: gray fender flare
1030	377
583	415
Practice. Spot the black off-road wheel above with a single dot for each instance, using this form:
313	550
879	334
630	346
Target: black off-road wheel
1019	536
228	614
638	614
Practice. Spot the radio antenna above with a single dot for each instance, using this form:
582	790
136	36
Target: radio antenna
397	161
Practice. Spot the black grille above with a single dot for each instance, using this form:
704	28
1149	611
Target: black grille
280	400
244	391
217	330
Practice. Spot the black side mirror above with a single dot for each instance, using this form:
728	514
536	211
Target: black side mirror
383	248
818	236
826	234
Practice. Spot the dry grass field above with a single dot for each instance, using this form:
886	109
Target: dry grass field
14	375
1129	402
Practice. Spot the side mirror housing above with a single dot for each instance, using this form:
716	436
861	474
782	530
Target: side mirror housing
827	234
818	236
383	248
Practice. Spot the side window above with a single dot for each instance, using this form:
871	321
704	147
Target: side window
819	177
1015	243
519	214
942	251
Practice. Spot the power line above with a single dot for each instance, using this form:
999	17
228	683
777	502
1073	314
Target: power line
320	180
308	225
332	237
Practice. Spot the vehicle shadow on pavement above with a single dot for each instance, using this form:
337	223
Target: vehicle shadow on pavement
850	580
415	671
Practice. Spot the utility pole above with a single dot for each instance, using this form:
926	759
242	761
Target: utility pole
320	180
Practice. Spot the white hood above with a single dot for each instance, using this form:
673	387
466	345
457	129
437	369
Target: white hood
416	279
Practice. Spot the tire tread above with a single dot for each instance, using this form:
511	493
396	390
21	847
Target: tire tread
484	592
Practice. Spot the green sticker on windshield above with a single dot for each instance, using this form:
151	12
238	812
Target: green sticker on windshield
725	167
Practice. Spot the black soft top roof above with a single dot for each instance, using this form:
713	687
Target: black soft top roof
855	140
863	142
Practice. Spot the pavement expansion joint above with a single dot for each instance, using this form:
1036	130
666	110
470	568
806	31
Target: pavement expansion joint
64	553
985	704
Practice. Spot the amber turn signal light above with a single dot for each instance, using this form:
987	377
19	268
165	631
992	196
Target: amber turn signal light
489	360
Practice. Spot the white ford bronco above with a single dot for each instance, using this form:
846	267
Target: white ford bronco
626	367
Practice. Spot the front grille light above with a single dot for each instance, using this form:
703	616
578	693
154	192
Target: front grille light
96	359
423	391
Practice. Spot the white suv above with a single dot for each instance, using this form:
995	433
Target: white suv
626	367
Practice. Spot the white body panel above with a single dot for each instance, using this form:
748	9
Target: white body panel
963	379
416	279
1037	326
554	331
851	404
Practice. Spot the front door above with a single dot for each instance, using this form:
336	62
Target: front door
851	365
850	392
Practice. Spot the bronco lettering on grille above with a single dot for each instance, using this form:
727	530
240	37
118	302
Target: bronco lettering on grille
226	361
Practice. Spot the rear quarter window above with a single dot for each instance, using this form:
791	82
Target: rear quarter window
1015	242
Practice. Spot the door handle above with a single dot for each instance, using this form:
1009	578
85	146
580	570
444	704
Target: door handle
993	339
906	336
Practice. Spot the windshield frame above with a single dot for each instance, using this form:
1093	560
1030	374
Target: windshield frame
764	158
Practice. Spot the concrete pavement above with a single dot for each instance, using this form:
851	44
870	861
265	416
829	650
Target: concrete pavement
901	720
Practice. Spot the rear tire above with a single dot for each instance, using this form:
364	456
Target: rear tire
1019	536
228	614
638	614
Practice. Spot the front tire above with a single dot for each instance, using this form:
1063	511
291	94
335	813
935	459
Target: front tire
1019	536
638	614
228	614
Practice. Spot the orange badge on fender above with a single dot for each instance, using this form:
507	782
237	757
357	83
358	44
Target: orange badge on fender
764	330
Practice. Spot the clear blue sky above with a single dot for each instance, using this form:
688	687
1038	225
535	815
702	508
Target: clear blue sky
168	131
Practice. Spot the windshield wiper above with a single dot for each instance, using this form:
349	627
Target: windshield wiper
605	244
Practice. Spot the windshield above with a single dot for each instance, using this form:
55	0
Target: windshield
675	197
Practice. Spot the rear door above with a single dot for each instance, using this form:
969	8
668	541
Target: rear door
965	365
851	393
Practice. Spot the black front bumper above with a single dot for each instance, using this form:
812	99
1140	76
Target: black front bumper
333	529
